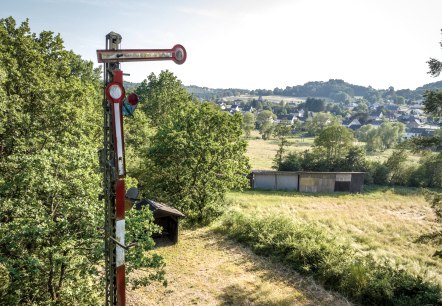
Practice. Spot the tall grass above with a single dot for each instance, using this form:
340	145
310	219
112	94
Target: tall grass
310	250
384	222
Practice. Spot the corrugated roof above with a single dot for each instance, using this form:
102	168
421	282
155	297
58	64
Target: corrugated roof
298	172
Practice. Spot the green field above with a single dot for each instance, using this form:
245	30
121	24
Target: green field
261	152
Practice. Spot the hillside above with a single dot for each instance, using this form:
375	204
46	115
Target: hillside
334	89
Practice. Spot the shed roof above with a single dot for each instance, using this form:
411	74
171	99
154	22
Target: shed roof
160	208
301	172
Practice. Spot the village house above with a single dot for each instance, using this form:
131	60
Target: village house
352	124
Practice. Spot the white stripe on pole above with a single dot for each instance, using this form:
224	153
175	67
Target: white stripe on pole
119	231
119	138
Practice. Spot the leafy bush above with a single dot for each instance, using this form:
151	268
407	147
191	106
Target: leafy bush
308	249
291	163
379	173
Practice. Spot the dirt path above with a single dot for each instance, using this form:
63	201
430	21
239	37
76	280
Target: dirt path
207	269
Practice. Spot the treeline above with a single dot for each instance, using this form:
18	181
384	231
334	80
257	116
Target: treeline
333	89
341	91
213	94
334	150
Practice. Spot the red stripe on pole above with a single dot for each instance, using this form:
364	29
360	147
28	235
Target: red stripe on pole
118	76
119	199
121	286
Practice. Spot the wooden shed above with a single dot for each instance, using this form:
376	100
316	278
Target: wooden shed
308	181
331	181
165	216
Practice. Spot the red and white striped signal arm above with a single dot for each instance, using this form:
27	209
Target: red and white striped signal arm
177	54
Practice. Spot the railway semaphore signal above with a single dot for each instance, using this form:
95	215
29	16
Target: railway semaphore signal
112	156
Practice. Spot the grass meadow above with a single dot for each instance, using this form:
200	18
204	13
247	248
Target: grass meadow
384	222
261	152
291	248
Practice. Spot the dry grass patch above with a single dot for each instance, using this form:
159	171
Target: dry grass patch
262	152
384	223
205	268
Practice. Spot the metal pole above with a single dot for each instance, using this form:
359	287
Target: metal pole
113	41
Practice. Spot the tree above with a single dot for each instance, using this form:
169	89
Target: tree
248	123
195	160
433	106
160	105
50	216
435	65
319	121
336	140
315	105
49	241
264	122
384	137
395	165
281	131
390	133
362	134
264	117
291	162
266	130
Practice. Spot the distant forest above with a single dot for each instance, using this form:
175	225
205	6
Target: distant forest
334	90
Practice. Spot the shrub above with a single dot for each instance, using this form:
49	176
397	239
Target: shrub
291	163
379	172
310	250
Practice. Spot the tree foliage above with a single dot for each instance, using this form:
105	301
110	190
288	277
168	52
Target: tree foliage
333	151
195	152
386	136
319	121
433	106
281	131
51	244
163	97
248	123
315	105
336	140
195	159
49	131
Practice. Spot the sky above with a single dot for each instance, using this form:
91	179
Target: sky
254	44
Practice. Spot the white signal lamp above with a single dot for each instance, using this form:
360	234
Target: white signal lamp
115	92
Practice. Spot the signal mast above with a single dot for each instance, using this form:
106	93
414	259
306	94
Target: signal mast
112	155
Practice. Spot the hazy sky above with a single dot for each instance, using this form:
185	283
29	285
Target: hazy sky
255	43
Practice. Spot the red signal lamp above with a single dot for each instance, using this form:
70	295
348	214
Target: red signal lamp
132	99
129	105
